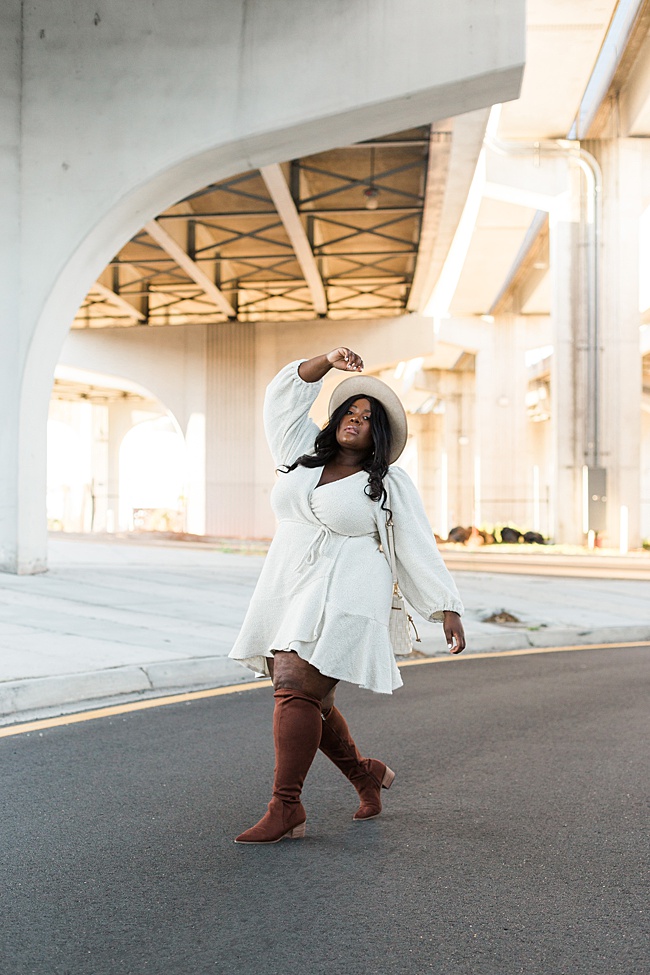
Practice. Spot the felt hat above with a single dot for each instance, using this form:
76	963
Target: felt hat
371	386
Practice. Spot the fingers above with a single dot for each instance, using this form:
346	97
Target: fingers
455	636
346	359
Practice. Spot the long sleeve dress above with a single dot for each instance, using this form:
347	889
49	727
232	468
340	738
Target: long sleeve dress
325	587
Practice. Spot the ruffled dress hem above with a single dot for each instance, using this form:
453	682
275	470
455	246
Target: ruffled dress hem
370	665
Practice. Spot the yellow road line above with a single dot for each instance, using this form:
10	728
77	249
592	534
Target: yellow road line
521	653
156	702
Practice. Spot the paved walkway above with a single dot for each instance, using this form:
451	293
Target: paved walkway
117	618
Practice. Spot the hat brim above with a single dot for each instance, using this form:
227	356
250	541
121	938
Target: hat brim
371	386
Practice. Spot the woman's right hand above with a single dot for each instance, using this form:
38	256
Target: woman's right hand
345	359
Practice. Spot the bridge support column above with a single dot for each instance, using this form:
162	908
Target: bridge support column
568	368
230	429
596	372
625	164
502	461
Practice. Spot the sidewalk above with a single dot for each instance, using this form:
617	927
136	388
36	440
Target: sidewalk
117	619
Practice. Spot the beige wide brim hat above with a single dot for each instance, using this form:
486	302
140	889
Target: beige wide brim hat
370	386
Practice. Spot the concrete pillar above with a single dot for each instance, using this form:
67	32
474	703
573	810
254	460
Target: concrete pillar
195	444
230	429
645	469
98	445
445	440
600	428
459	436
626	166
427	429
120	421
568	366
10	360
502	458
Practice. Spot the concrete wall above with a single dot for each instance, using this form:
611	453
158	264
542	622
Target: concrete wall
211	379
215	376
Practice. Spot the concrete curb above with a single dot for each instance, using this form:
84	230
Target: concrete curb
545	637
21	697
26	699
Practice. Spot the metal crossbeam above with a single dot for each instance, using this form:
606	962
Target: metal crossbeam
112	298
199	217
352	183
260	232
277	186
184	261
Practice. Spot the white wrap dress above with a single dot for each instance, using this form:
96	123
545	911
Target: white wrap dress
325	587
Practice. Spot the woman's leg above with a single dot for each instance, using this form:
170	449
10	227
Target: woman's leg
297	727
367	775
288	670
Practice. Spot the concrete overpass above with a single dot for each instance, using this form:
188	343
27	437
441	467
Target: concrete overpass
185	244
111	116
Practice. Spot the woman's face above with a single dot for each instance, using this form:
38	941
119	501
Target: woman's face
354	431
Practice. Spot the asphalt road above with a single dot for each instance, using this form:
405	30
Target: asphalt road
512	840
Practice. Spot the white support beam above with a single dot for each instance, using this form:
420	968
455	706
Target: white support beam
440	220
191	268
277	186
112	298
634	99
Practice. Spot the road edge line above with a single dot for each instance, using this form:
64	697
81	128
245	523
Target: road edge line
42	724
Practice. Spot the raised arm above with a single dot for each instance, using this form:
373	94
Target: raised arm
289	397
313	370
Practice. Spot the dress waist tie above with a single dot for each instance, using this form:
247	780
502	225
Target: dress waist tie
317	546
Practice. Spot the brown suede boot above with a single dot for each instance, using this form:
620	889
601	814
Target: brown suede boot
297	727
367	775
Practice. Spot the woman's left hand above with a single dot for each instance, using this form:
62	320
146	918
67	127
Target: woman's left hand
454	632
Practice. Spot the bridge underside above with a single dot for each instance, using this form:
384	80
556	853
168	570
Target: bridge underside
344	234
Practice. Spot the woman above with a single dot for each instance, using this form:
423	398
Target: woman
321	607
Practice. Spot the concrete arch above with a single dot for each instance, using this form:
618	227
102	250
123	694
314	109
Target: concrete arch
128	404
95	163
161	452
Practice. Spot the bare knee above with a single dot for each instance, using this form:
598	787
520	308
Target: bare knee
291	672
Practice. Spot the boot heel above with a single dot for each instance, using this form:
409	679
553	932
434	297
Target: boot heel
387	780
297	832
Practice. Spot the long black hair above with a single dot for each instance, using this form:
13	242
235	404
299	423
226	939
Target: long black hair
376	461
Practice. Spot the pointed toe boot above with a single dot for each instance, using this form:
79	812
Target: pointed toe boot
297	727
282	820
372	778
368	775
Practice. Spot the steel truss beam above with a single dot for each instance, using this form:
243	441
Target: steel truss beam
278	189
113	298
245	253
191	268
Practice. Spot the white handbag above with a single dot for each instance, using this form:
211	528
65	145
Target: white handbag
399	621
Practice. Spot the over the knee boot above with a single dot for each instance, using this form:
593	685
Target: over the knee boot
297	727
367	775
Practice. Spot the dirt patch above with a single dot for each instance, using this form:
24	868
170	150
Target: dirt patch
501	617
